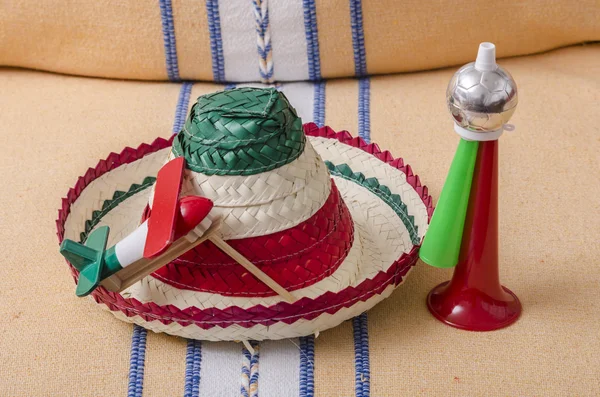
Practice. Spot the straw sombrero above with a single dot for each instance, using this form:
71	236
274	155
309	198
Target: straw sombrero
331	219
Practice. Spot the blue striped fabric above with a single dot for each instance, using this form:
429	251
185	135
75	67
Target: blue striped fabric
361	356
319	104
216	43
182	106
307	366
254	372
312	40
364	108
244	392
358	38
136	362
193	359
168	27
360	324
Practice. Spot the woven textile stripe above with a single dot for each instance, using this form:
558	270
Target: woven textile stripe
168	27
216	42
182	106
193	359
312	40
319	104
263	40
307	366
358	38
288	32
220	369
364	109
361	356
249	387
301	97
136	362
279	368
238	32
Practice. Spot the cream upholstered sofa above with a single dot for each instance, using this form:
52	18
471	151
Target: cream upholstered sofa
81	79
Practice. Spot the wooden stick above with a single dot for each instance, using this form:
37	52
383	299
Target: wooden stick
256	272
143	267
248	346
111	283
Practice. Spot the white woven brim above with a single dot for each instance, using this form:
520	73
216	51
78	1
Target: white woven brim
360	161
380	239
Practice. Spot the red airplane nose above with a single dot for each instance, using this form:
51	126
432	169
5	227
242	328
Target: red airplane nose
192	210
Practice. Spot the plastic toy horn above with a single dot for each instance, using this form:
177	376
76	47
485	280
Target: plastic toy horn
481	97
444	236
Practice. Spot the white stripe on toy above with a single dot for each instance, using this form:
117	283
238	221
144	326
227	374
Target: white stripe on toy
131	248
141	268
130	251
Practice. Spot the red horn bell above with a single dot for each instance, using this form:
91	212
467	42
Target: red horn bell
474	299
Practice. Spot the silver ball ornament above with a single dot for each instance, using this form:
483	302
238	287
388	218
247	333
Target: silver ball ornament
481	95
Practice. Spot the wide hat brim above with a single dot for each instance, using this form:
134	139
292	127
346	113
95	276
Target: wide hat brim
389	207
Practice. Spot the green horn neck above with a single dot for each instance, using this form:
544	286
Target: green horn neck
441	245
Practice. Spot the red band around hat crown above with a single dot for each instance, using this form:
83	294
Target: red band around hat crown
295	258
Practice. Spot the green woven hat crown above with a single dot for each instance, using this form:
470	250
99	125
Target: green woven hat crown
242	131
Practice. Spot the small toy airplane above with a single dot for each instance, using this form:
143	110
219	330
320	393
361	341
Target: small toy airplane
174	227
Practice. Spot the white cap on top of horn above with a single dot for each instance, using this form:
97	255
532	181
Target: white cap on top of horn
481	97
486	57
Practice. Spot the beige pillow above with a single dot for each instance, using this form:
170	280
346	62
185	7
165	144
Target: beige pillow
311	39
